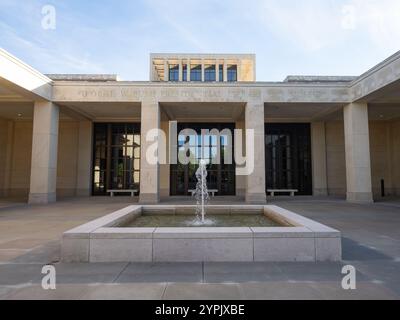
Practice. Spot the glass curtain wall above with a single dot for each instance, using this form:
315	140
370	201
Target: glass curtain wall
116	157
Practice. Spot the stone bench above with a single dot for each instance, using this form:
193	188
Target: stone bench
131	191
212	191
291	191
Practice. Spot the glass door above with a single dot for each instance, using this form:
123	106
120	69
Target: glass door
288	157
116	157
220	176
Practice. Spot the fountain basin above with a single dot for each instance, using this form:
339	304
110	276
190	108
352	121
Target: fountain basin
215	221
115	238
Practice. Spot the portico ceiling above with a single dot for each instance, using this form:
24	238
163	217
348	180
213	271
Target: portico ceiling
16	110
306	112
318	112
384	111
197	111
102	111
6	94
390	94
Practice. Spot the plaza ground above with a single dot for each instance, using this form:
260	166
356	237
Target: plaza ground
30	238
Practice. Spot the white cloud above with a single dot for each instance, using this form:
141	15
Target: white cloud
48	54
172	12
380	20
311	25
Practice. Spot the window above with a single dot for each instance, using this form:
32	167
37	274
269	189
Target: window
219	176
232	73
195	73
221	72
174	72
116	157
184	74
288	157
209	73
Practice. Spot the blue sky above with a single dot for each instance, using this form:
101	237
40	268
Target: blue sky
307	37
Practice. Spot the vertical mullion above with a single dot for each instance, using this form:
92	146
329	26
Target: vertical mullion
108	157
125	148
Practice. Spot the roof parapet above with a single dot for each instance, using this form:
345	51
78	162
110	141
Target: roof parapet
84	77
319	79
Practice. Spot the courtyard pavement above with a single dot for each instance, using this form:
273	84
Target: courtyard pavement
30	238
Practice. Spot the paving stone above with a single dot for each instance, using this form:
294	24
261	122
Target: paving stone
371	244
5	291
363	291
320	271
82	273
242	272
202	291
278	291
62	292
162	272
45	254
132	291
14	274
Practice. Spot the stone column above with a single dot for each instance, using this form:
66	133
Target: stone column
44	153
225	71
202	70
166	70
318	148
84	171
188	68
216	71
255	184
149	173
180	71
358	163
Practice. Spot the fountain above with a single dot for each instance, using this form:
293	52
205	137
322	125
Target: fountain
201	191
165	233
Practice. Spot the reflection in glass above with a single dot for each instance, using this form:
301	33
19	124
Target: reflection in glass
209	147
116	157
288	157
209	73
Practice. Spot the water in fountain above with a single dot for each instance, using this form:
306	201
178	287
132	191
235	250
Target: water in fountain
201	193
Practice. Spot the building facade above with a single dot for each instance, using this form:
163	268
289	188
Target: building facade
82	135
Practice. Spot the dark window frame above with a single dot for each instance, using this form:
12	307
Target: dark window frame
173	72
111	139
195	73
288	157
209	73
184	72
182	176
232	73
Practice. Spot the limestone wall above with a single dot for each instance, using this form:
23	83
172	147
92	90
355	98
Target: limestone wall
385	156
3	154
384	145
395	156
67	163
379	139
335	158
21	151
247	70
